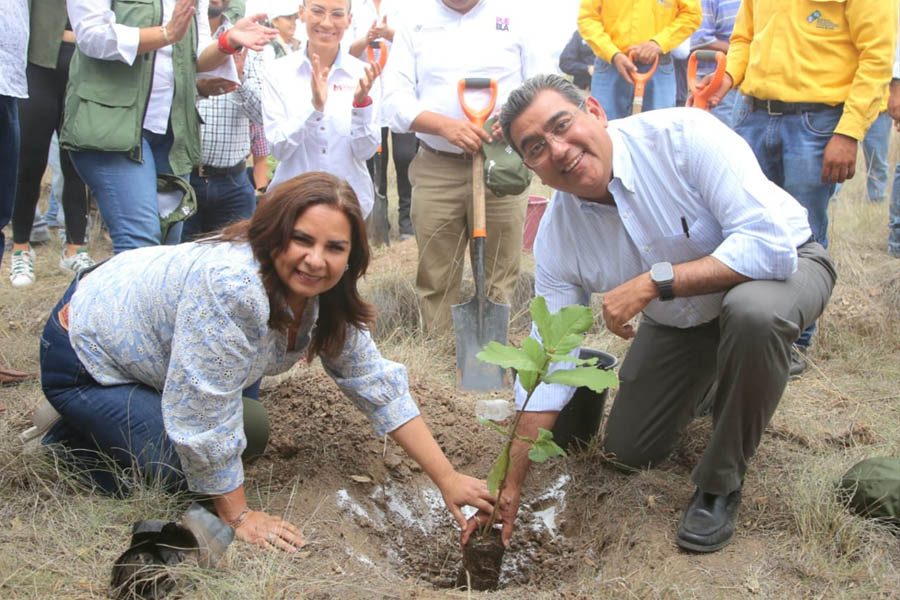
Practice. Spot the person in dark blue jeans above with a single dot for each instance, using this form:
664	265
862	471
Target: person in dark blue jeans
222	199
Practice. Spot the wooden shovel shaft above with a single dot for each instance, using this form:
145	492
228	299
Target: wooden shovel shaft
479	222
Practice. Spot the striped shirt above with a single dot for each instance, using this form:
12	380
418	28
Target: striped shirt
718	21
685	186
225	130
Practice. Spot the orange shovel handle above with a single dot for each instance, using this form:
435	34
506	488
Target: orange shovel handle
477	83
640	79
701	95
382	56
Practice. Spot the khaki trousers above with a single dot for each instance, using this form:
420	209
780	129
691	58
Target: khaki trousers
745	351
442	219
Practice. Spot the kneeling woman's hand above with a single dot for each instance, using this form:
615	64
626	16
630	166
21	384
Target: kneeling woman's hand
459	490
269	532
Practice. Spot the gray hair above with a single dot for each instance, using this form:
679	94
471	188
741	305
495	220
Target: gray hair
522	97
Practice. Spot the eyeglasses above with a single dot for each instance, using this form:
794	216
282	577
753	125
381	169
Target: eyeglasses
318	13
537	150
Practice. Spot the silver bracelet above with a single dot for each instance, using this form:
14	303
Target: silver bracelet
165	35
240	519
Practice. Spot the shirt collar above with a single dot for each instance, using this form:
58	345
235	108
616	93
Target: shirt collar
622	165
306	63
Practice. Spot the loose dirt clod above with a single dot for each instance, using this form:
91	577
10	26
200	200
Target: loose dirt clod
482	558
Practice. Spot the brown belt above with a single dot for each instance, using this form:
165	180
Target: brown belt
453	155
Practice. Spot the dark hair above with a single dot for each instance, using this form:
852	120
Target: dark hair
522	97
271	229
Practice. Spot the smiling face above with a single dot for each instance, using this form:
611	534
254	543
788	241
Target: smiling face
578	153
326	21
316	256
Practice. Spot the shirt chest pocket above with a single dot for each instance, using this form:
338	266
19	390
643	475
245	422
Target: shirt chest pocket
821	18
682	242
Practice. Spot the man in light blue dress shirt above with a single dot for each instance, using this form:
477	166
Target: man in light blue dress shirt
669	215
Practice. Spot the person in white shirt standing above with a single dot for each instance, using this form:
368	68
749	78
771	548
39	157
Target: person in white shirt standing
669	214
375	22
442	42
317	111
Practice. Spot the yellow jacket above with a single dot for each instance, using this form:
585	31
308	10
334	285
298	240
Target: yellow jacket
611	26
817	51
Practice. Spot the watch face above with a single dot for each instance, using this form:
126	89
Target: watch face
662	272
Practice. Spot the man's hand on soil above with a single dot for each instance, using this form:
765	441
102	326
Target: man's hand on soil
839	162
270	532
622	303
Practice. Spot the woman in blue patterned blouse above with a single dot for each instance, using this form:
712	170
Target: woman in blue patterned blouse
148	356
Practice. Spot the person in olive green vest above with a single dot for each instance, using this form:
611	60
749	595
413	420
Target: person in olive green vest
130	104
50	47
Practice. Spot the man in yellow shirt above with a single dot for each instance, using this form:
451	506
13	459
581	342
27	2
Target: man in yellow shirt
813	75
652	28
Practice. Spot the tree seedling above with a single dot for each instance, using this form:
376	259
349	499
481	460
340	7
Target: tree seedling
561	333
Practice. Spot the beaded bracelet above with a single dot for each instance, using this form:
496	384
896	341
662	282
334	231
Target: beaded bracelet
240	519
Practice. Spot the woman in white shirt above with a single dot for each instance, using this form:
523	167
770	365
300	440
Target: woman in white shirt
317	111
130	102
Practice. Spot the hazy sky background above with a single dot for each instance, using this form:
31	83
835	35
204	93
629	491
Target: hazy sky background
553	21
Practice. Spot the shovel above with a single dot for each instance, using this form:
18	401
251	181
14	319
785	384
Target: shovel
640	81
701	95
478	321
377	224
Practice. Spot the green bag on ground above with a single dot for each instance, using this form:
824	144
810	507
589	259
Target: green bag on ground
872	488
504	172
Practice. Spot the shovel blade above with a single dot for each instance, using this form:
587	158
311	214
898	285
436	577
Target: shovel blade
471	373
377	225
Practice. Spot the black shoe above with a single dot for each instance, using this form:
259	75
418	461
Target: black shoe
708	521
798	362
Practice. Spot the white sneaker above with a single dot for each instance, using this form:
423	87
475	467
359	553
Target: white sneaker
77	262
21	272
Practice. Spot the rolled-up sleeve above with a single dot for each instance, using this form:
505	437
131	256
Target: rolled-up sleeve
218	329
365	134
379	388
759	241
97	33
400	106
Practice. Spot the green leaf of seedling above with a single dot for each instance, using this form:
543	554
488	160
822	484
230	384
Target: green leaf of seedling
493	425
507	357
544	447
528	379
571	359
498	470
596	379
541	317
568	343
571	319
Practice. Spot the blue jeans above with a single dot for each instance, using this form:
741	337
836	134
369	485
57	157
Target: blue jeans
55	217
875	150
125	191
616	95
725	110
221	200
112	435
9	164
790	149
894	223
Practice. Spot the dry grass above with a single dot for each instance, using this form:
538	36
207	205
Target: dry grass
795	540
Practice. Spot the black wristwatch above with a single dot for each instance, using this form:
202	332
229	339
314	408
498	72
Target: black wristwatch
663	275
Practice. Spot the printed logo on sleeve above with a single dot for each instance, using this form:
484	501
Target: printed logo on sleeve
502	23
